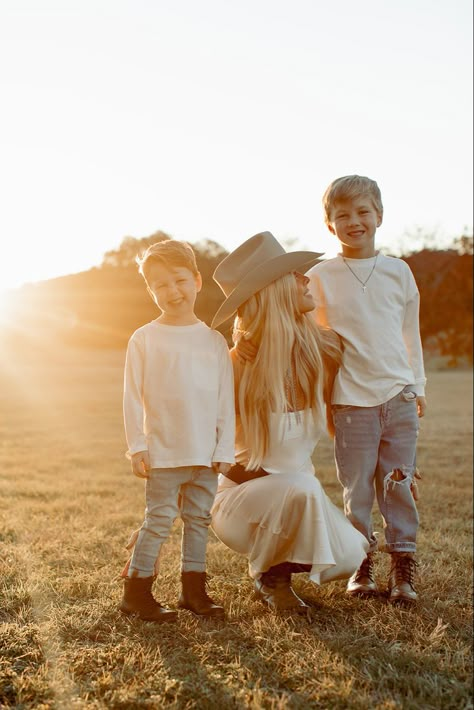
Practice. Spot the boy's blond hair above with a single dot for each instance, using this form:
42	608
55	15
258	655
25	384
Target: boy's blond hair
169	252
349	187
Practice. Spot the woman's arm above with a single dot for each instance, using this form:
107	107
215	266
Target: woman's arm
331	352
238	367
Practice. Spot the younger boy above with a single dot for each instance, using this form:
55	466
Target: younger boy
372	302
179	425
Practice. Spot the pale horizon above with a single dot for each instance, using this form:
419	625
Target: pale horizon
215	121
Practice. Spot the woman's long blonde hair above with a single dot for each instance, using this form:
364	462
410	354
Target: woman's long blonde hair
289	344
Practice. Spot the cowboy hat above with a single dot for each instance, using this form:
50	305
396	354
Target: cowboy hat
255	264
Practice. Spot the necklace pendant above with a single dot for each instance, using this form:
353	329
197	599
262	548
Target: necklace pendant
362	283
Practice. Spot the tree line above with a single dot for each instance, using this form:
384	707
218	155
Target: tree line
101	307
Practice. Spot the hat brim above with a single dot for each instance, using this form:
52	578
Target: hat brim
262	276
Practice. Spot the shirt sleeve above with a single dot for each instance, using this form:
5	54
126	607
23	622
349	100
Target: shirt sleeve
225	427
411	335
133	410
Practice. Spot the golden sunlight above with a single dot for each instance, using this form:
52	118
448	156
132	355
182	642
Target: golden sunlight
5	307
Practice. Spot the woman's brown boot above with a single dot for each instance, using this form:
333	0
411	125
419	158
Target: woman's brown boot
139	601
274	588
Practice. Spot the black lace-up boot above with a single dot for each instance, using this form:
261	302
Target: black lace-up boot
362	583
401	580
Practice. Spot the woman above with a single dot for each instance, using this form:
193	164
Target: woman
271	507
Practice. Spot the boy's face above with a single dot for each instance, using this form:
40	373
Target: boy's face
174	290
354	222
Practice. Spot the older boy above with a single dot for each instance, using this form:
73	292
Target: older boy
179	424
372	302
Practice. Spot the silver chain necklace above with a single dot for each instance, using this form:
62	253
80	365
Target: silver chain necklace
363	283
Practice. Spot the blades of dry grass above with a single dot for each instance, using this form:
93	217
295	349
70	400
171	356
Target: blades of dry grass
67	506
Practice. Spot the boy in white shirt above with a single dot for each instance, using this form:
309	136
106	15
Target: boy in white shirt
372	302
179	424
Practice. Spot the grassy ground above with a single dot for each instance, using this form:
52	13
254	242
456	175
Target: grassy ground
68	503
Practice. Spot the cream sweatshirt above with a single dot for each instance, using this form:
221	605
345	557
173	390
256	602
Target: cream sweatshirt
379	327
178	395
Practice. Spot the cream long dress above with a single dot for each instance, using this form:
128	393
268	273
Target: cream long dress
287	516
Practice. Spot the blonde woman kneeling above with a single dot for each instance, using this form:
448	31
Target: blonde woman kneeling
271	507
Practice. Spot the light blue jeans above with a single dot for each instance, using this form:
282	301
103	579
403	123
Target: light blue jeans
186	491
375	452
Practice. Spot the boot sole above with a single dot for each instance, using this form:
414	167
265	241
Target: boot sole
297	609
214	615
401	601
167	618
361	594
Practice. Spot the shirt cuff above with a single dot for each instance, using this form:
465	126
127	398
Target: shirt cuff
224	458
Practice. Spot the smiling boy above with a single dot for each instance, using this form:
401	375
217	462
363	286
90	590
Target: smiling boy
372	302
179	424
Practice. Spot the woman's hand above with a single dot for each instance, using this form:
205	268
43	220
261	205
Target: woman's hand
421	405
245	350
414	485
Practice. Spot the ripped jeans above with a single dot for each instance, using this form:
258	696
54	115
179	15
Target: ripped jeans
375	451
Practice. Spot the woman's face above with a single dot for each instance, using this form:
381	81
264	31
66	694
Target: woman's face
305	300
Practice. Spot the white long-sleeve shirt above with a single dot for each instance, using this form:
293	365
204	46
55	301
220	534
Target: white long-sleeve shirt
379	327
178	395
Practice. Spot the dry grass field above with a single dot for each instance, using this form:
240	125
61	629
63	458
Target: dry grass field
68	504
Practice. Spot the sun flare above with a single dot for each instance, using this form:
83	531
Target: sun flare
10	310
5	306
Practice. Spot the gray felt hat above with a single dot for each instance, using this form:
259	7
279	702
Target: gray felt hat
255	264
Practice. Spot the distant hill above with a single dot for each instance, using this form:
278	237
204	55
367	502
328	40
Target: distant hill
101	307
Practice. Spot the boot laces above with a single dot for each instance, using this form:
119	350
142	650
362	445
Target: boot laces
366	569
404	570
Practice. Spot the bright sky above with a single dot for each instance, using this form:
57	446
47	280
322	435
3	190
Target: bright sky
218	119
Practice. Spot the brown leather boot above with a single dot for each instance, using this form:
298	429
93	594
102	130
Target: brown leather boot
274	589
362	583
139	601
195	597
401	578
